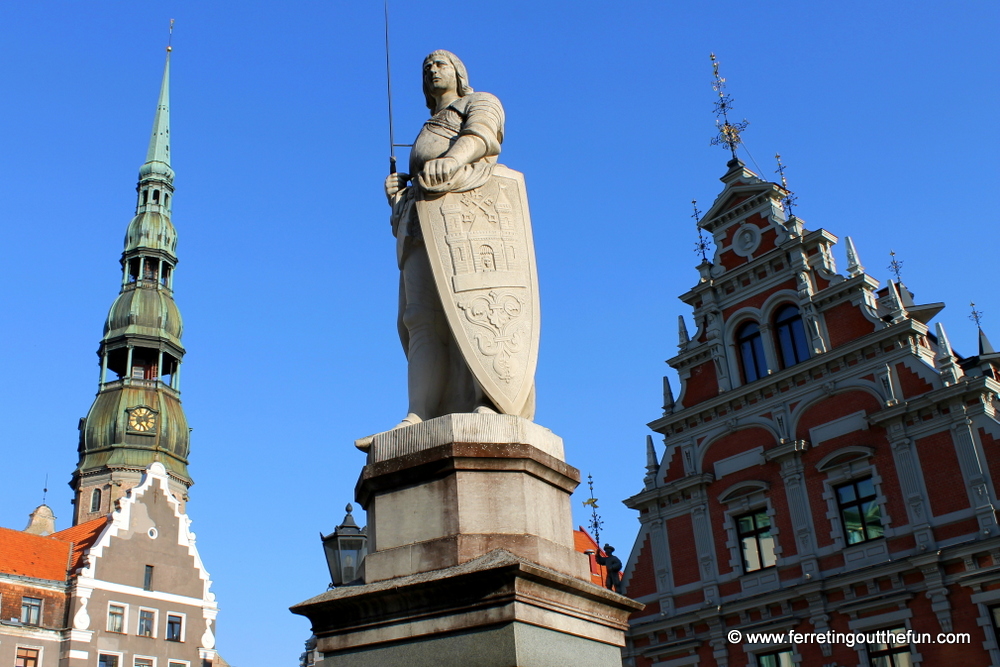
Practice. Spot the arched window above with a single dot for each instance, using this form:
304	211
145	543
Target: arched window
751	352
95	500
793	346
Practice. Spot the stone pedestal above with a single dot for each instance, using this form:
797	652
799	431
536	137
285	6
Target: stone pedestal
471	558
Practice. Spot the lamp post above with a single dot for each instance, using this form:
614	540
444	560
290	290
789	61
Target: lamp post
345	549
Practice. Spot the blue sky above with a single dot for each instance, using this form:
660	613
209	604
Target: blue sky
287	279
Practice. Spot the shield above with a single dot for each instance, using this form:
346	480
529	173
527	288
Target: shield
483	259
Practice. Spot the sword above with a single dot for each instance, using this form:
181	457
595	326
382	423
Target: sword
388	80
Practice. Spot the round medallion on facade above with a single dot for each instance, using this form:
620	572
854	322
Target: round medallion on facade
746	240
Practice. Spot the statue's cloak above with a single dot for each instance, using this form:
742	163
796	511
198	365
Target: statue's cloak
482	255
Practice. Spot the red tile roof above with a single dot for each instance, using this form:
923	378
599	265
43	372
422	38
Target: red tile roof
583	542
47	557
35	556
83	537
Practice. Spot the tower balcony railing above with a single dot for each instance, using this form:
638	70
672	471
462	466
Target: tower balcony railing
147	283
141	383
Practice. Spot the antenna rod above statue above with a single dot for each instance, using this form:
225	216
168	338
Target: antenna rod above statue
388	83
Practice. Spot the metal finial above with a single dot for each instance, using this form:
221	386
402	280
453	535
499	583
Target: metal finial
45	489
349	508
170	36
896	266
595	519
729	133
788	201
701	247
976	316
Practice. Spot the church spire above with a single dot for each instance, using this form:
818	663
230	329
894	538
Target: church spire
137	418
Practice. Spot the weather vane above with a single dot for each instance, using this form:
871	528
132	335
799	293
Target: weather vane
976	316
701	247
170	36
788	201
896	266
595	519
729	133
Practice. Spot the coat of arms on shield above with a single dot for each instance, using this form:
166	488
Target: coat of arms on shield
482	255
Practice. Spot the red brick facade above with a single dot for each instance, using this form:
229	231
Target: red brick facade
832	469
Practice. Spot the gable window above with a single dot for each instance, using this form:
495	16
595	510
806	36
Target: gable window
147	579
107	660
31	610
751	350
95	500
793	346
26	657
147	623
756	543
116	618
781	658
859	511
175	628
891	653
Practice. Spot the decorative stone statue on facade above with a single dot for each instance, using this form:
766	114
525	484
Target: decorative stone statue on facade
468	297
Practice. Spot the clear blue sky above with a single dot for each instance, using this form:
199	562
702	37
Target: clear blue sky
884	114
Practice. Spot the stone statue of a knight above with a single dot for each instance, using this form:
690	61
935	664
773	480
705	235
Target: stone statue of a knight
468	295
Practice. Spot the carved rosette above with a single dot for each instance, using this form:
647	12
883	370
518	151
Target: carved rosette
482	256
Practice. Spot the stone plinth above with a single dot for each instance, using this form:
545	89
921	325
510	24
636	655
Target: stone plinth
497	610
452	489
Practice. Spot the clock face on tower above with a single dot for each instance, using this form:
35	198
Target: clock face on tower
142	420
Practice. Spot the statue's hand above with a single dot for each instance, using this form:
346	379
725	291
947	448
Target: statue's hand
439	170
394	183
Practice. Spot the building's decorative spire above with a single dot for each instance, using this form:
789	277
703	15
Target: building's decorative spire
985	347
944	359
668	396
652	465
894	303
854	267
682	332
701	247
137	418
896	266
788	201
729	132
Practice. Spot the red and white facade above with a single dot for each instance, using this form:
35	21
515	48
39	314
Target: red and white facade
830	464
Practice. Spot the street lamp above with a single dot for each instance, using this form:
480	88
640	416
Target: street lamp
345	549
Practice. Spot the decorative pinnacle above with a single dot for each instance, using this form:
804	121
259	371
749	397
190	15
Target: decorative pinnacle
729	133
701	246
788	201
896	266
595	519
976	316
170	36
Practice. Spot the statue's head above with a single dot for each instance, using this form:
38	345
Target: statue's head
461	75
608	549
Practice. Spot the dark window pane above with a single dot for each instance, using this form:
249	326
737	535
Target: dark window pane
846	493
866	488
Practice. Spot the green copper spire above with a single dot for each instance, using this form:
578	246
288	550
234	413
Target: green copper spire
137	417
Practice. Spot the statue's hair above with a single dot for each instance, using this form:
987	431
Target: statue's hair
460	73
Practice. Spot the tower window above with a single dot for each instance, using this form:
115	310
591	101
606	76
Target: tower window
751	350
166	200
156	196
793	346
145	197
95	500
149	269
133	270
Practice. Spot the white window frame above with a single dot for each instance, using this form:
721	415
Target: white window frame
183	663
151	658
184	623
117	654
138	620
40	649
124	618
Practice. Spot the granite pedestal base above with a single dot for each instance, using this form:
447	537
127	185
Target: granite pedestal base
494	611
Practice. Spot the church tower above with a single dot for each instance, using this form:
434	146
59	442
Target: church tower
137	418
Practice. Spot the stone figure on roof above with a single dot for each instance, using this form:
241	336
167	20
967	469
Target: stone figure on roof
468	297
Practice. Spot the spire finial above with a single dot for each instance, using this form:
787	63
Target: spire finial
729	133
596	523
45	489
854	267
896	266
976	315
701	247
788	201
170	36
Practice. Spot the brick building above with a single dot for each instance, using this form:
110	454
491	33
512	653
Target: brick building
830	465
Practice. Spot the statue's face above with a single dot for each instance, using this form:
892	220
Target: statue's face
439	75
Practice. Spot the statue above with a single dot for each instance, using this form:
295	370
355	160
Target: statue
468	296
613	582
